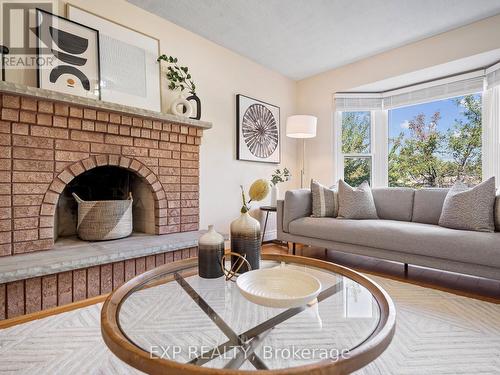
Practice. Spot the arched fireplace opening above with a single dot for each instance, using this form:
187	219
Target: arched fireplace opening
106	183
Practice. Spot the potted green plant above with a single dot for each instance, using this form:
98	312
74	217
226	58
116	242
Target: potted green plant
180	79
277	177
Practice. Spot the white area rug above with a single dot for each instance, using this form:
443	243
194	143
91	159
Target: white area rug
437	333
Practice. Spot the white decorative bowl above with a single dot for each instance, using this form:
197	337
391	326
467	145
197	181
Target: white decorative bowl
278	287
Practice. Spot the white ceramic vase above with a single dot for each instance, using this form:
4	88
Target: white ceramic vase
245	240
275	191
210	252
180	105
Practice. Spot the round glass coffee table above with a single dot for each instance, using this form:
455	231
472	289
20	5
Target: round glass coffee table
171	321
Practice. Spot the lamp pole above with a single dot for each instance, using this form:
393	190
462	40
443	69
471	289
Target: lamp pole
301	126
303	171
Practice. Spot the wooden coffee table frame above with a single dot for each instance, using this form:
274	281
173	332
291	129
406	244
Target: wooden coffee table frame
136	357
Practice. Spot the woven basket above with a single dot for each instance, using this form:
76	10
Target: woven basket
104	220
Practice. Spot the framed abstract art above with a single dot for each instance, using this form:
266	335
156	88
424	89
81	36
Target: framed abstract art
258	130
69	52
130	74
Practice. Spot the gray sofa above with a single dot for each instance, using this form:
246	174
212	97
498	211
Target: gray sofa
406	232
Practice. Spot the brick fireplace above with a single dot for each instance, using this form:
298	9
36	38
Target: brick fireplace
47	144
52	145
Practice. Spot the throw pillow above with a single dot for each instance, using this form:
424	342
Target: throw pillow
324	200
356	203
470	208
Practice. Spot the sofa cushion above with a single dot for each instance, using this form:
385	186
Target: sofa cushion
356	203
394	203
407	237
324	200
427	205
470	208
297	204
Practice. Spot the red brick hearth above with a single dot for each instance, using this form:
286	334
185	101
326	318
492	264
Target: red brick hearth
45	144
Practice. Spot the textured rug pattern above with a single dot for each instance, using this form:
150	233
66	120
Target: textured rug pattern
437	333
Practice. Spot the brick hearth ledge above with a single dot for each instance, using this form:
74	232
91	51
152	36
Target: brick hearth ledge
70	254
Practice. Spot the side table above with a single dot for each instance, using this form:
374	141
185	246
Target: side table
268	209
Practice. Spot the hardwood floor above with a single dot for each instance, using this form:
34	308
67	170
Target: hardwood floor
469	286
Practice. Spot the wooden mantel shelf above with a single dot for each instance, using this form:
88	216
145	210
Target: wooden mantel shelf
13	88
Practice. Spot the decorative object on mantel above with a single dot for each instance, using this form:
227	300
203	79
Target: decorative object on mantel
280	287
258	130
4	50
301	126
233	271
43	94
129	73
104	220
277	177
210	253
180	79
181	107
245	231
74	50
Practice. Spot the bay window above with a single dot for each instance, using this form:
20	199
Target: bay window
427	135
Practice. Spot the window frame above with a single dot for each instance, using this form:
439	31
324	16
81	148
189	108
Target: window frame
378	157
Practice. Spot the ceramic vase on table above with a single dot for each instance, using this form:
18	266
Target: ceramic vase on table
274	195
245	240
210	252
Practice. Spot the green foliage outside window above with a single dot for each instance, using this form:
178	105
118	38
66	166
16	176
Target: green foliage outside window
356	140
357	170
429	157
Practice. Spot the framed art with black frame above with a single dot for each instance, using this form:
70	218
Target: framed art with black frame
67	56
258	130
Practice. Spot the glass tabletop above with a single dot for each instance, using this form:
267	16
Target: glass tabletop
207	322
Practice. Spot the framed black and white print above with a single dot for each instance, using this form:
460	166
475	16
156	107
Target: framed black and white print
130	74
67	56
258	130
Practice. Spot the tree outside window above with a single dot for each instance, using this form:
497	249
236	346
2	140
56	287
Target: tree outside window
356	145
435	144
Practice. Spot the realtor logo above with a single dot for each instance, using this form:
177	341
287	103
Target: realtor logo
18	33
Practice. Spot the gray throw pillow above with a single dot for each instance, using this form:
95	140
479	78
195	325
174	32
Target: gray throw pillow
356	203
324	200
470	208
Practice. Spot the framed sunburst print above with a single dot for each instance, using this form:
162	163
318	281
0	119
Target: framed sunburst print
258	130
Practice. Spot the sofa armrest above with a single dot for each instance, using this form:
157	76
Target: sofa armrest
297	204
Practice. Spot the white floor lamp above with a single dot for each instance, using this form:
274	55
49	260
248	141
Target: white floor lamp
301	126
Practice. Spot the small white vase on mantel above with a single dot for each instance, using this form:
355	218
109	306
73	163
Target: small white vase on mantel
275	192
245	240
181	107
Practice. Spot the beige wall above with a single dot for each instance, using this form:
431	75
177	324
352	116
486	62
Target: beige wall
315	94
219	75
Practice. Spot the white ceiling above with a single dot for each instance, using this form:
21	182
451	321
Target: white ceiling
300	38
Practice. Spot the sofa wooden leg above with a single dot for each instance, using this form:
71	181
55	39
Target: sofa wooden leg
406	269
294	248
326	253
